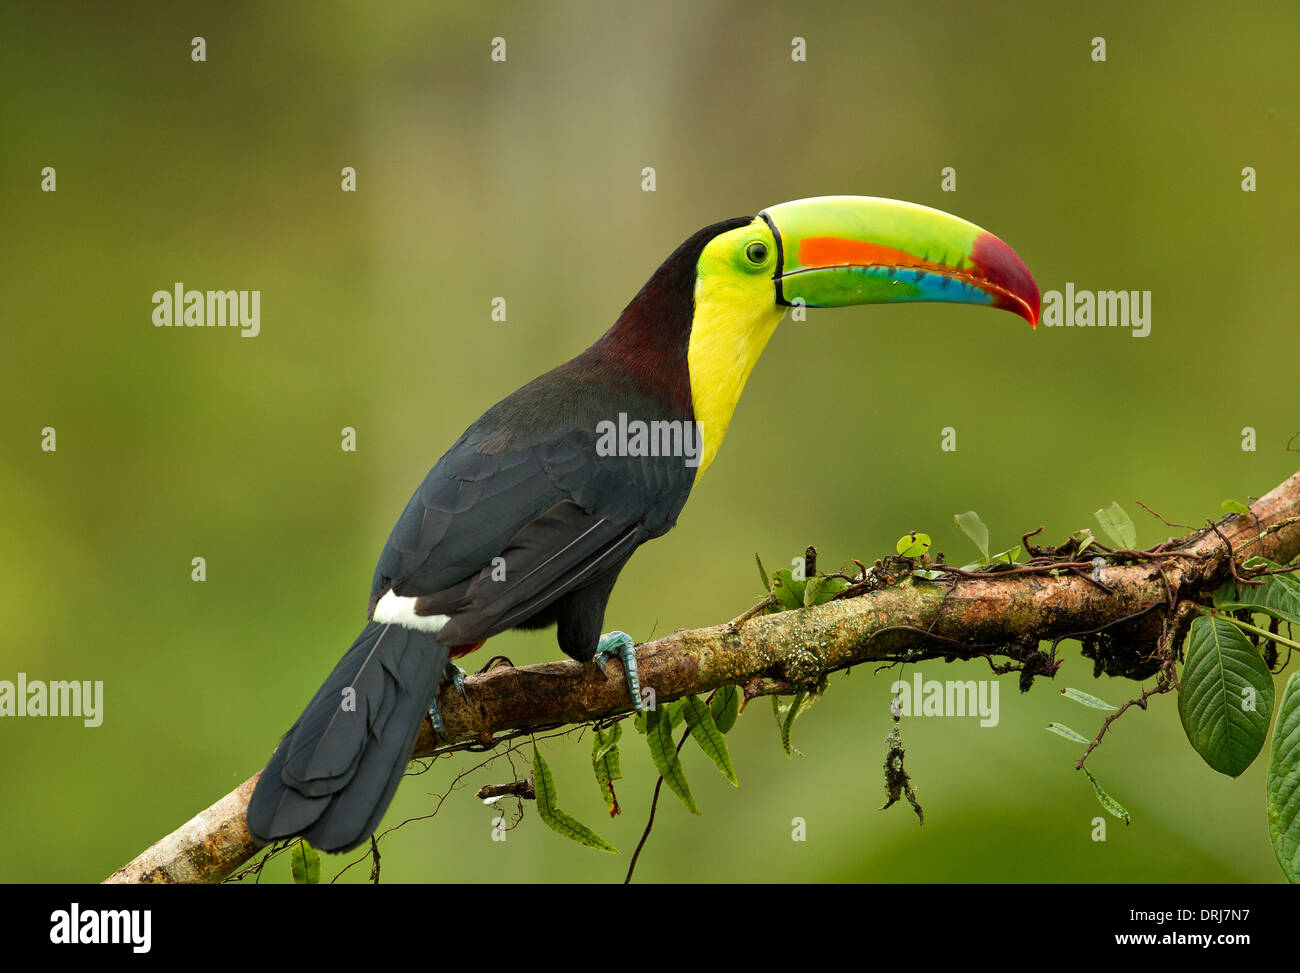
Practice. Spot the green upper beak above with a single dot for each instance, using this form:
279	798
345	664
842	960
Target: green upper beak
835	251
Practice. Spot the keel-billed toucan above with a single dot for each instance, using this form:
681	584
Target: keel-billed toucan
529	517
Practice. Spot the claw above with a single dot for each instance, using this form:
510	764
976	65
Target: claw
619	645
456	676
435	717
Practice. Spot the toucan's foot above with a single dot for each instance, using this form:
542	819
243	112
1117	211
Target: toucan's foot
455	675
618	645
435	717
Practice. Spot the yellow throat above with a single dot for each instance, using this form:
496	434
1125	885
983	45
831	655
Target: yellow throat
735	315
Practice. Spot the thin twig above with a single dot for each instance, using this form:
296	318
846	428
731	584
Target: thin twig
1163	685
654	803
1167	523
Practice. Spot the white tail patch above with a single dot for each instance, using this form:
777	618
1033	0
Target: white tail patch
396	610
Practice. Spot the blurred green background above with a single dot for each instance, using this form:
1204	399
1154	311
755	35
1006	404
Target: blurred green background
522	179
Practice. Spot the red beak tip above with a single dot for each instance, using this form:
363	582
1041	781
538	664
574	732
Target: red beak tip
1001	266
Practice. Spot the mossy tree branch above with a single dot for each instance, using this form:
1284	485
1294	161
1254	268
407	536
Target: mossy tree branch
1123	607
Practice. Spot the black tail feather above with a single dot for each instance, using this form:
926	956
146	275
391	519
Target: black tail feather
336	770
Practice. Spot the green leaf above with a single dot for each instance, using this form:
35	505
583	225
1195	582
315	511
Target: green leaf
555	819
1118	526
705	732
673	711
762	574
663	751
1283	782
304	862
1278	597
1106	801
607	765
913	545
1087	699
605	742
1084	537
1235	507
1007	557
1060	729
786	714
725	707
565	824
830	587
974	528
779	710
638	722
788	591
1226	697
812	587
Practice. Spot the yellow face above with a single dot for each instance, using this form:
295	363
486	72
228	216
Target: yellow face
735	315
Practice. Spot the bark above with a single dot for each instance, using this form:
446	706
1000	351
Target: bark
1123	608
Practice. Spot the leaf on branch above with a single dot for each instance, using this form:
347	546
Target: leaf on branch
726	707
557	820
811	589
1278	597
663	751
974	528
1087	699
1235	507
1006	557
762	574
788	591
607	765
705	732
1060	729
829	588
913	545
1283	783
786	714
1118	526
304	863
1105	800
673	710
1226	698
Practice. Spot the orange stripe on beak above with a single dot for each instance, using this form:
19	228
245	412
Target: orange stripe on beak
831	251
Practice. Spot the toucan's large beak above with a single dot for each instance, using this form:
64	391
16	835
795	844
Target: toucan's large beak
841	250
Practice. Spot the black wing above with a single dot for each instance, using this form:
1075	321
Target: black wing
508	523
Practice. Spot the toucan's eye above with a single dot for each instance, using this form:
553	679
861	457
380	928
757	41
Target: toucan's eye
756	252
